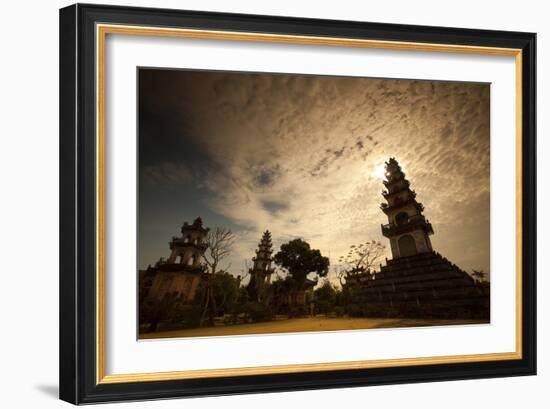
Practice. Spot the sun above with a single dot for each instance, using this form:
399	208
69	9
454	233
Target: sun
379	171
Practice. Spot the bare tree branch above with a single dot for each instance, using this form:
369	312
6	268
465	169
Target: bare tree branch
220	243
364	256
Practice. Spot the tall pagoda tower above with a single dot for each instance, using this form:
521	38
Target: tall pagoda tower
260	273
418	282
408	230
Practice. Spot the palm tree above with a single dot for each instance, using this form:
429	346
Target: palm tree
479	275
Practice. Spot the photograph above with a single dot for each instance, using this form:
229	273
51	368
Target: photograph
286	202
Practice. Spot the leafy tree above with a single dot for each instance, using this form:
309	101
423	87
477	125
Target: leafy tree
325	298
280	290
299	259
225	288
479	275
228	296
160	311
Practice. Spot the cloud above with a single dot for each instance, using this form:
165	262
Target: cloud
296	155
168	173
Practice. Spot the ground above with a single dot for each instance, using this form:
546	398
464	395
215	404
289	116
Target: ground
304	325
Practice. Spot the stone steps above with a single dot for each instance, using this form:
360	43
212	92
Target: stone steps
423	284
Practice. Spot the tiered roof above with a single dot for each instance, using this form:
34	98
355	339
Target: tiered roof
399	195
265	248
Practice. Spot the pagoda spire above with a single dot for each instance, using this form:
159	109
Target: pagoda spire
260	273
264	251
407	228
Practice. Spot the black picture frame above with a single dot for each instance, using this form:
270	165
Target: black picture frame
78	360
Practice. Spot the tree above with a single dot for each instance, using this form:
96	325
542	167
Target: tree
363	257
281	287
299	259
325	298
220	242
225	290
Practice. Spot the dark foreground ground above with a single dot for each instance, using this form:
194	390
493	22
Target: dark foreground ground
306	325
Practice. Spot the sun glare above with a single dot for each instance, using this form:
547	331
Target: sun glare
379	171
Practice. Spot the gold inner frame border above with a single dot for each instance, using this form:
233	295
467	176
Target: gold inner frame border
102	30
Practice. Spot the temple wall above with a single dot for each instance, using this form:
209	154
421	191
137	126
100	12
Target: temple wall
426	285
410	209
193	285
394	247
186	254
403	195
161	285
193	235
183	284
423	243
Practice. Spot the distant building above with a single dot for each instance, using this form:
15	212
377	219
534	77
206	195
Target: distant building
283	295
417	282
173	283
305	294
358	277
287	299
260	273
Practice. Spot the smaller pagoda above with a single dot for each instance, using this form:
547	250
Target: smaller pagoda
260	273
170	285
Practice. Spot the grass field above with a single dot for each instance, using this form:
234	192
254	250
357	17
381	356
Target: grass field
304	325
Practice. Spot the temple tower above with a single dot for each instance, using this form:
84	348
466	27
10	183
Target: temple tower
168	289
190	247
179	276
260	273
418	282
408	230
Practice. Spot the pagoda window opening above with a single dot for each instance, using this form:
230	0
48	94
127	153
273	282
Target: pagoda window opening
401	218
407	246
186	239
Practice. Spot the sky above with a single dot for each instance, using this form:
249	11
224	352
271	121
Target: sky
303	155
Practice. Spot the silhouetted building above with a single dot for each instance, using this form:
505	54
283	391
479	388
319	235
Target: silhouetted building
408	230
285	298
260	273
305	294
170	285
417	282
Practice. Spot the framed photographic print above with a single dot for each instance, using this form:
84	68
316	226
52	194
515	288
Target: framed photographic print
257	203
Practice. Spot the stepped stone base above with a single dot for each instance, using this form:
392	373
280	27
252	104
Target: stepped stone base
423	286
